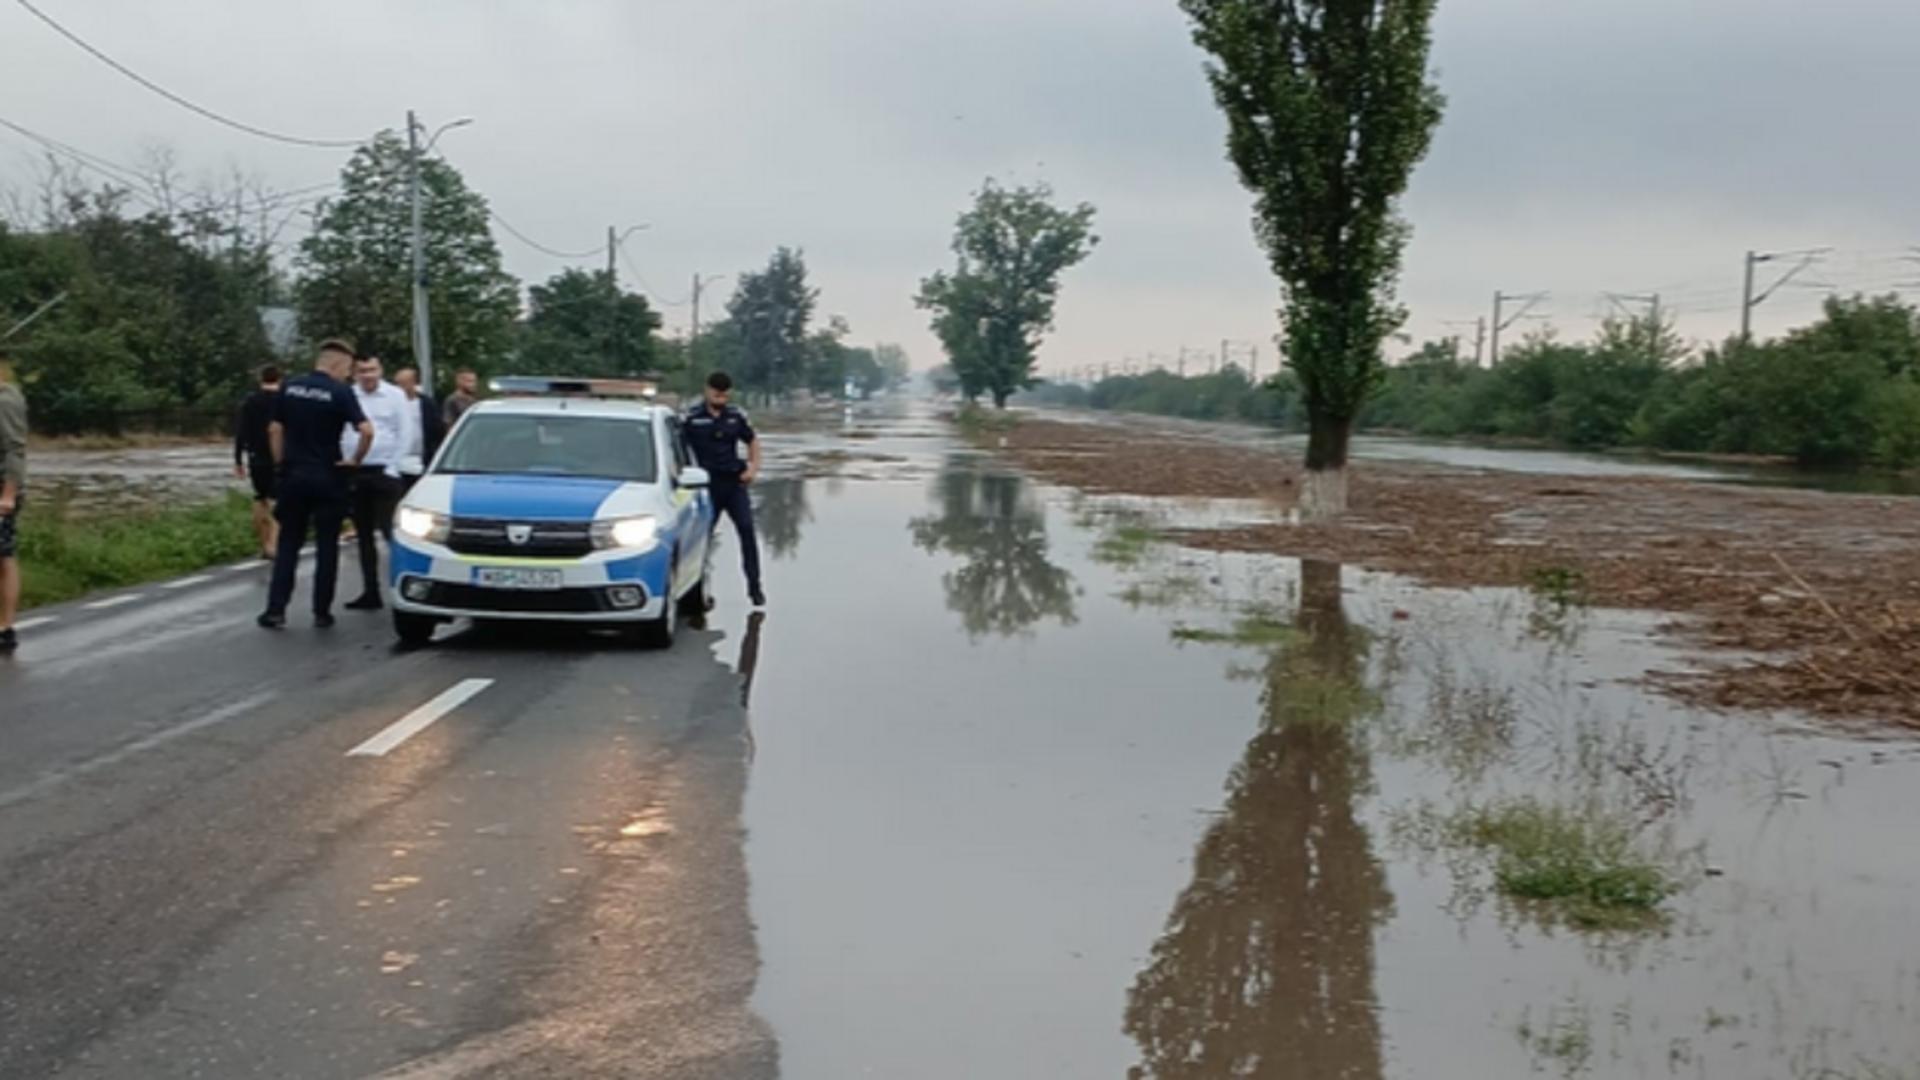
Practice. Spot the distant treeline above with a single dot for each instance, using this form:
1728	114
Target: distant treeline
1844	391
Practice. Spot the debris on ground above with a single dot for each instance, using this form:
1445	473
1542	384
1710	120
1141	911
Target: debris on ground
1817	595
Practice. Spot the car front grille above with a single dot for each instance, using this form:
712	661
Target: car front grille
481	600
545	539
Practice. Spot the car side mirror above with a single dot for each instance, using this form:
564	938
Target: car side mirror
694	479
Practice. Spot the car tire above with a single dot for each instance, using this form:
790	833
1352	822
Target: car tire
658	633
414	630
693	602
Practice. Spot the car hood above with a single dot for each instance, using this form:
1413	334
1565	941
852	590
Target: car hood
524	498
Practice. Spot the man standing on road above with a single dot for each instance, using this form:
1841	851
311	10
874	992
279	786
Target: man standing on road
428	430
253	457
714	431
13	484
466	392
308	417
376	483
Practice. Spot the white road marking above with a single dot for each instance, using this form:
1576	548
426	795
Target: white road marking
418	720
28	624
113	601
238	568
197	579
138	746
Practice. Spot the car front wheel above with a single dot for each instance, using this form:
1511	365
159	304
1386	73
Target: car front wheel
414	629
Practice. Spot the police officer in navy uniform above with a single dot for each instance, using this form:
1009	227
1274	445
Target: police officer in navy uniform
714	431
308	418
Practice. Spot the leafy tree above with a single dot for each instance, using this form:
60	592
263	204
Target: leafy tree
991	311
582	323
153	322
356	268
1328	110
770	310
1007	582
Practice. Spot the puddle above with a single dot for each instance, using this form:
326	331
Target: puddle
1035	794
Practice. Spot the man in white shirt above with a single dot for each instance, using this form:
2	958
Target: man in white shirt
376	484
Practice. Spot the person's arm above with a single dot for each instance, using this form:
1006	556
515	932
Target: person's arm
753	462
240	419
752	439
366	442
13	449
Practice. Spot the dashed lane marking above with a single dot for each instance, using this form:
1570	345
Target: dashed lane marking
197	579
113	601
28	624
420	719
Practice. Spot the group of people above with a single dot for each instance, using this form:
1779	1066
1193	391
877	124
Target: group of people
340	443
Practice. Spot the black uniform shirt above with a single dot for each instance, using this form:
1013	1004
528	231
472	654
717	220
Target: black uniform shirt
715	440
250	429
314	409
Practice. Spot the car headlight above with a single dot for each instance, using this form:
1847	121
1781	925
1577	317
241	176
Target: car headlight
640	533
422	524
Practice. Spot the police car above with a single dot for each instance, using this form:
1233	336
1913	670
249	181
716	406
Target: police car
567	500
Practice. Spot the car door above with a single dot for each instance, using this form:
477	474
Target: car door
693	509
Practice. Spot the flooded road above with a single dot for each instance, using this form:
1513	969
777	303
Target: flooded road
1034	795
1001	785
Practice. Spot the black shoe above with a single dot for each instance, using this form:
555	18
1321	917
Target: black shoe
759	598
9	640
271	620
367	602
323	621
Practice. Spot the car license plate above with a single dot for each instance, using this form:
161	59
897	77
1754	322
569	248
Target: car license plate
515	577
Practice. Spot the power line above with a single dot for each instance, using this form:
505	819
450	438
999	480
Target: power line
642	279
176	98
119	173
537	245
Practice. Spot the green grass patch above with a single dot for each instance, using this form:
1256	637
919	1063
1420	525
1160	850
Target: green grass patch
1167	592
65	555
1255	630
1124	545
1583	862
1561	586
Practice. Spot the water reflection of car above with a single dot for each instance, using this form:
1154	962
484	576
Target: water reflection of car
564	505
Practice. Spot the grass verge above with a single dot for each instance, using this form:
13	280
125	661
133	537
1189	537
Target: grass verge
976	420
65	555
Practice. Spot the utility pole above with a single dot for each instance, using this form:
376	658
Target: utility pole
422	331
1748	301
1499	302
693	335
1223	355
1253	364
611	245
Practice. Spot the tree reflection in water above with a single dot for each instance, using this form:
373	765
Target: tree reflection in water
992	521
1266	966
780	510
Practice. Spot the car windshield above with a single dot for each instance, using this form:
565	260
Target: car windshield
552	444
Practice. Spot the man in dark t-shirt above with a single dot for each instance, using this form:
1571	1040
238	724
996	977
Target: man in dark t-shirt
253	454
309	414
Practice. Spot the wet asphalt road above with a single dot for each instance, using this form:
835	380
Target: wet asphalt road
196	879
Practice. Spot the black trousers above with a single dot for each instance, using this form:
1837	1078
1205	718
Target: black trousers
731	498
375	494
308	498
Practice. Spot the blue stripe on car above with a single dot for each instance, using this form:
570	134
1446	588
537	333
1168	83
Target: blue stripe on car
404	560
530	498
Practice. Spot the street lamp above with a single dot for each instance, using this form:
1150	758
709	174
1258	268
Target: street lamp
422	330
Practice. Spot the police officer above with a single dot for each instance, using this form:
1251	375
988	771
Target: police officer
308	417
714	431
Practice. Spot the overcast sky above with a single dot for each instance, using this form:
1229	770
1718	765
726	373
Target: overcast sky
1588	146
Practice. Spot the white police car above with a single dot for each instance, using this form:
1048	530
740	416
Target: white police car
568	504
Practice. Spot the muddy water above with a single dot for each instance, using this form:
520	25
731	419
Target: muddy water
1007	818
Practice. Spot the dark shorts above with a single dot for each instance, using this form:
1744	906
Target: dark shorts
265	481
9	538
